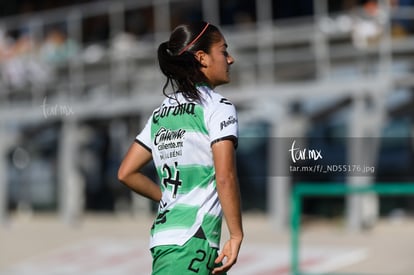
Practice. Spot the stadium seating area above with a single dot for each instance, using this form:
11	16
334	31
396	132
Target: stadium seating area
77	80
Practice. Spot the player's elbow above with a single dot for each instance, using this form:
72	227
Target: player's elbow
226	180
123	173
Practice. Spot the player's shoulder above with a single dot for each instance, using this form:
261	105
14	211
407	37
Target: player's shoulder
211	97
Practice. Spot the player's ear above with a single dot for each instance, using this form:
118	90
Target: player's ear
202	57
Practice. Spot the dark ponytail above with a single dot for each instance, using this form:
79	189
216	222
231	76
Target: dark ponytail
177	61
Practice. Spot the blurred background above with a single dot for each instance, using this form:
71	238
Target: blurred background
79	78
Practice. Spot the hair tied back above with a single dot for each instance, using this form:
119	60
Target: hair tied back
194	40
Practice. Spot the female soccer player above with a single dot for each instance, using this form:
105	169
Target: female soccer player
191	137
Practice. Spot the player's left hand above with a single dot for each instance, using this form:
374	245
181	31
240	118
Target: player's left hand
230	251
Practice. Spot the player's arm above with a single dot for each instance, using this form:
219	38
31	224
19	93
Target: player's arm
229	195
129	173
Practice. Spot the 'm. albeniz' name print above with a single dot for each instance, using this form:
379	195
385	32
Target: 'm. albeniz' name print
176	110
169	142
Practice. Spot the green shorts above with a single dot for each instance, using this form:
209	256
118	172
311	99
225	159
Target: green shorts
194	257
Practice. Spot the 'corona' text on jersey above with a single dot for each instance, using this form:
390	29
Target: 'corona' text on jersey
173	110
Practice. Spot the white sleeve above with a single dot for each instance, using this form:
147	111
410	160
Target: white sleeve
144	138
222	122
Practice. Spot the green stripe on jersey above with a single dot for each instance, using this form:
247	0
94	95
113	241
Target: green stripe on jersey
212	227
179	217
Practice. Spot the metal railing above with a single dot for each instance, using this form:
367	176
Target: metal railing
269	51
279	62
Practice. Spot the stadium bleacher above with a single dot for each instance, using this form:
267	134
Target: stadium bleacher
78	79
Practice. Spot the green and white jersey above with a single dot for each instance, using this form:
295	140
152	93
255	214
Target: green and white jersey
179	135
